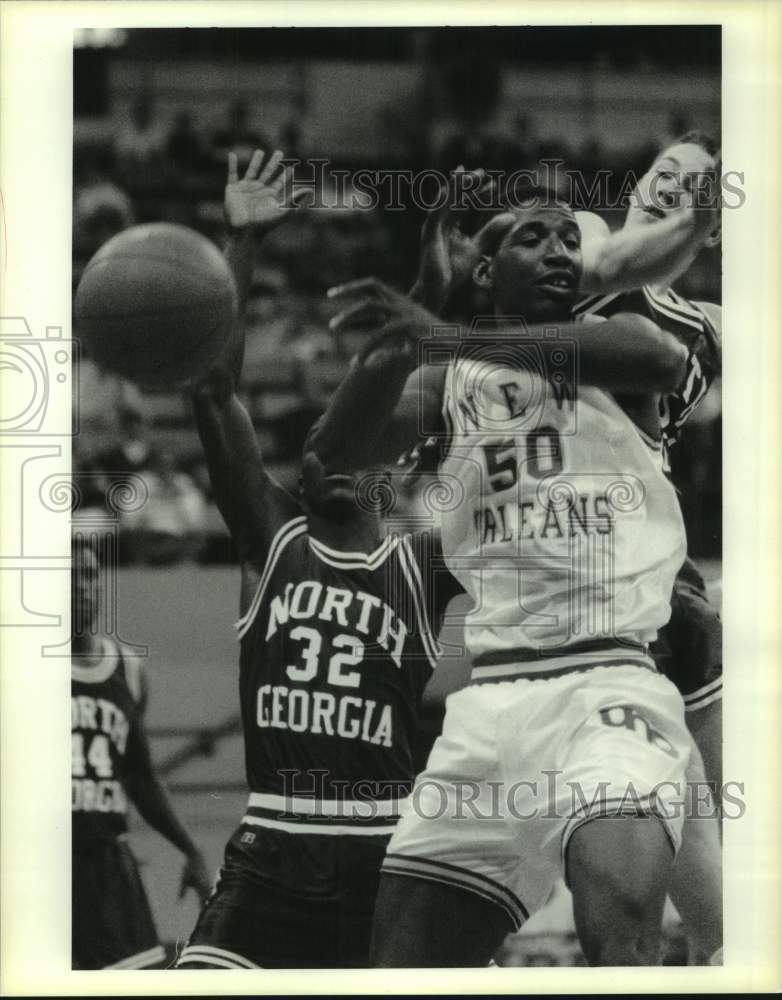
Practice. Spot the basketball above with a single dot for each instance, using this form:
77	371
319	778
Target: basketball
156	304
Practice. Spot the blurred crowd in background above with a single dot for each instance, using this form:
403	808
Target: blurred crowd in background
145	150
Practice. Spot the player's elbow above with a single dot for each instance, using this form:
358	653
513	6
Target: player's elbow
217	389
655	355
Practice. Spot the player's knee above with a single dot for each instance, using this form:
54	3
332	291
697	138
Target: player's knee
613	922
618	875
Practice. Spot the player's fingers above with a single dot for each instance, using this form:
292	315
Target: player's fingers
366	286
283	181
463	181
254	165
271	166
233	168
283	187
484	196
302	194
366	313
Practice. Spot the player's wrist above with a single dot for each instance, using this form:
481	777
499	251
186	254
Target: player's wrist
238	230
424	294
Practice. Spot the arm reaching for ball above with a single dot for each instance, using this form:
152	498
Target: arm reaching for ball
641	255
252	505
389	401
254	205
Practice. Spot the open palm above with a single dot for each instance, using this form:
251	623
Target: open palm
448	255
264	196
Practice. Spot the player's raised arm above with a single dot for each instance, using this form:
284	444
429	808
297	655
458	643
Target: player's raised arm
643	254
448	254
388	401
252	505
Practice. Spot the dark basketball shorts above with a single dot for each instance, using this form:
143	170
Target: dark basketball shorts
112	926
689	649
289	901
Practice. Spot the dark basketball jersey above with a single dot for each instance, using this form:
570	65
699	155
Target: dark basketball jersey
336	648
691	326
105	702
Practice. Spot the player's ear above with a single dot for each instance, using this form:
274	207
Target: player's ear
482	272
714	237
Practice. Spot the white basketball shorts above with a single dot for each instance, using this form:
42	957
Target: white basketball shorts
523	763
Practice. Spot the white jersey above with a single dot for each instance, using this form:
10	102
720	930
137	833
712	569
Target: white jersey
564	529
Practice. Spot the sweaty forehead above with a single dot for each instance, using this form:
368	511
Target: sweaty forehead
686	156
550	216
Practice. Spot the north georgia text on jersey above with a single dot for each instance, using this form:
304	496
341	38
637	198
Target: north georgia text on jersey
324	714
368	614
320	712
96	723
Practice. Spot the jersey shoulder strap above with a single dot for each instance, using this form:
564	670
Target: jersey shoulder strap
594	303
134	672
411	570
289	531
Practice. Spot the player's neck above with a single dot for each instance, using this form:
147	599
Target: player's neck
87	647
360	533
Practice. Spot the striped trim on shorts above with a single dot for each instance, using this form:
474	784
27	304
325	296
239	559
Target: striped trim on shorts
703	696
220	958
141	960
461	878
296	814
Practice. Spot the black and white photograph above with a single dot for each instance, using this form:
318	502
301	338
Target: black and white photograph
382	440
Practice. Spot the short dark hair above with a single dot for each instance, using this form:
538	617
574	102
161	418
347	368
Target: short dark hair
525	191
706	142
697	138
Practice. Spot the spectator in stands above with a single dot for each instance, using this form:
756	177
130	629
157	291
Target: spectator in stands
101	208
270	326
141	143
185	145
678	124
238	135
132	451
171	525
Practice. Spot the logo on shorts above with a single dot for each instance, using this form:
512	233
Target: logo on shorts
631	717
247	838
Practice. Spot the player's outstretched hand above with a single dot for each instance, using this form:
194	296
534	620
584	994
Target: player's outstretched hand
371	304
195	876
448	254
264	196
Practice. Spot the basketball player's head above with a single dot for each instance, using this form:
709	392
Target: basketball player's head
691	161
85	582
336	496
534	268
